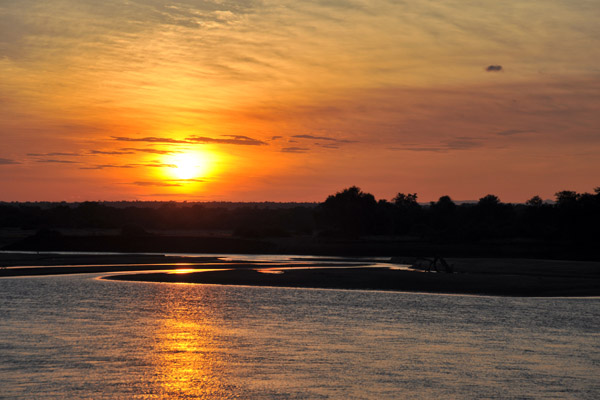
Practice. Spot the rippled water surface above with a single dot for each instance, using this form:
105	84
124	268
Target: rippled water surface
80	337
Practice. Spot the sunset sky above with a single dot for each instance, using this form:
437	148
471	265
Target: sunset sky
280	100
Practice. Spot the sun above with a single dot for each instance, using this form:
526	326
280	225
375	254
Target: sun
189	165
188	168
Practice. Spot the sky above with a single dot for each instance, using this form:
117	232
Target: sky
281	100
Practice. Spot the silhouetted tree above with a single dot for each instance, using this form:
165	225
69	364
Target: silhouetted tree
407	212
444	205
535	201
406	200
489	201
492	218
566	198
443	218
350	212
537	219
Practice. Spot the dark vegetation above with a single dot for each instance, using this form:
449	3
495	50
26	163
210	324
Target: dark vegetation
349	222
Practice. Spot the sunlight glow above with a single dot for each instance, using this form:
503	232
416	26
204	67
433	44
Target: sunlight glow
188	168
183	270
189	165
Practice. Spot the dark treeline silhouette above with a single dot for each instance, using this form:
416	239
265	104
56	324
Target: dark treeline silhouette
351	214
250	220
574	216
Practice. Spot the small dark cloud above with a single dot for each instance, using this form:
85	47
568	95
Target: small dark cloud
494	68
7	161
276	137
324	138
148	139
294	150
110	153
229	139
510	132
53	154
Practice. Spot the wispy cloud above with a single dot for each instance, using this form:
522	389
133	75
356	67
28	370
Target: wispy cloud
154	165
111	153
158	183
166	183
104	166
56	154
151	151
329	139
151	165
187	180
295	150
510	132
461	143
8	161
328	145
224	139
57	161
132	150
148	139
228	139
171	196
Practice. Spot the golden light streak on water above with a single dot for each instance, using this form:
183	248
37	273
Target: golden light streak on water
183	271
186	363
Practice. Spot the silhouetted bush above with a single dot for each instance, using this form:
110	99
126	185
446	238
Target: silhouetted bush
351	212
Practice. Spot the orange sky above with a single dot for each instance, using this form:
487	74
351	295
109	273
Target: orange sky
293	101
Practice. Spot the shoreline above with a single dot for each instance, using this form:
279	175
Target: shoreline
475	276
385	279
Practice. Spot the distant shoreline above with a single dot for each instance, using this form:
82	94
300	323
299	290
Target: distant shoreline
306	245
475	276
387	280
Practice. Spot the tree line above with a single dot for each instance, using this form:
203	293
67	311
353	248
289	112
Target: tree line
573	216
350	213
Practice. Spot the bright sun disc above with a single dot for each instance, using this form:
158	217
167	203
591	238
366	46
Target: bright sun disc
188	166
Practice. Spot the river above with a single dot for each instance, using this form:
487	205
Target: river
77	336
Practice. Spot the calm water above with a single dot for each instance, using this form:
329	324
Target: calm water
80	337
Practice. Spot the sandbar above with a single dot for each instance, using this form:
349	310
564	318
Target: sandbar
478	276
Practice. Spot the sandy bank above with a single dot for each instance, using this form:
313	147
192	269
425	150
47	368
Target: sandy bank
484	276
387	279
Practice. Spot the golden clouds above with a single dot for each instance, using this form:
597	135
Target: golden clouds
335	81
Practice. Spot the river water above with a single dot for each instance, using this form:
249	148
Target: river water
80	337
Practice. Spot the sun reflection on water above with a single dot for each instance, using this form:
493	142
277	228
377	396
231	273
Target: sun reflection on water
183	270
187	364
